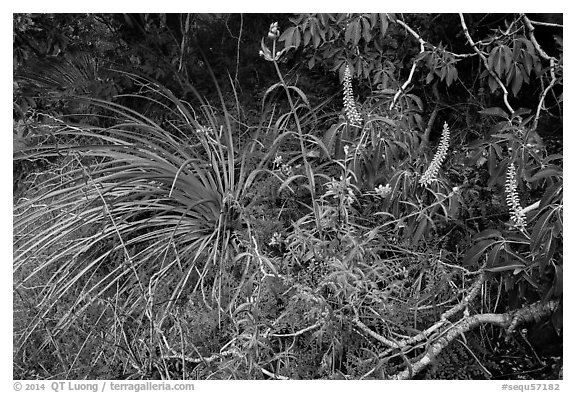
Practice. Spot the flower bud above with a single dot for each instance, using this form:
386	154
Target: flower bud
273	32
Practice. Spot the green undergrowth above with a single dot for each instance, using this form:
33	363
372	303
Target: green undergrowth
163	238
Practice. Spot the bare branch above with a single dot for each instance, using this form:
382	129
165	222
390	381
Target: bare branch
298	333
532	312
467	299
485	61
200	359
375	335
508	321
444	317
503	34
423	42
534	22
413	68
238	47
409	80
463	326
552	61
411	31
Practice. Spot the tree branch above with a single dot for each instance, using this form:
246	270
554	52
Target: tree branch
444	317
403	88
375	335
508	321
422	42
485	61
553	62
548	24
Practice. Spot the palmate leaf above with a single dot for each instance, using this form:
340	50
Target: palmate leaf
69	73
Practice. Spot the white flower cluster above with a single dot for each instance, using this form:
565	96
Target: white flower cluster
349	104
206	133
430	175
203	130
285	169
275	240
517	214
277	161
383	191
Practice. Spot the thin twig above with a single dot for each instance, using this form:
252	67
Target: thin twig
548	24
467	299
200	359
423	42
471	352
298	333
238	47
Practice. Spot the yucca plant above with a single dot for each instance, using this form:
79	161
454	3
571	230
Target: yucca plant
126	212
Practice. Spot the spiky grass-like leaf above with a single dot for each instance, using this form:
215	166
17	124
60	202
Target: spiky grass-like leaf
124	209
